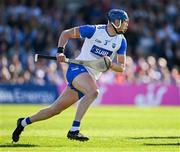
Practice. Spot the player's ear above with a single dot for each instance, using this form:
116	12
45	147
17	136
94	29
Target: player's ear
117	23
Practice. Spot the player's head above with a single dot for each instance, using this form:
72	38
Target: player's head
118	19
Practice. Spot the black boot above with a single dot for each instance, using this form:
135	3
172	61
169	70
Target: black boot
18	130
76	135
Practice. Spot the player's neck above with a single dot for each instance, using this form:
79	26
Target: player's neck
110	30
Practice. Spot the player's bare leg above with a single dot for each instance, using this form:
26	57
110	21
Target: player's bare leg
87	86
67	98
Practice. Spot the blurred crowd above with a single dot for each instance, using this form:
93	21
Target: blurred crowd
29	27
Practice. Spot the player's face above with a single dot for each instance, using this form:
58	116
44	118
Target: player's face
124	26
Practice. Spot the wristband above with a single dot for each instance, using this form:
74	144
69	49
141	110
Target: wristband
60	50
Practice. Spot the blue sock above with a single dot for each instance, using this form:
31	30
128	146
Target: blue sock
26	121
75	125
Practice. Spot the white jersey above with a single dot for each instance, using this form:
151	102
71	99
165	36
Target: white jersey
99	43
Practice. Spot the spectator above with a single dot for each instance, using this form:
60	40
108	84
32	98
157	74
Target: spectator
29	27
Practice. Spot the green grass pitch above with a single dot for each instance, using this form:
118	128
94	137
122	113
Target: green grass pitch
110	129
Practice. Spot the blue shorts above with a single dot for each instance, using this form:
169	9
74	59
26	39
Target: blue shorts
73	71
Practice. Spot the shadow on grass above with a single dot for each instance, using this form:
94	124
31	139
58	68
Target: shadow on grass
17	145
158	138
155	137
162	144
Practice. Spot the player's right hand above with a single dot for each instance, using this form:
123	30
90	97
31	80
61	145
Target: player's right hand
60	57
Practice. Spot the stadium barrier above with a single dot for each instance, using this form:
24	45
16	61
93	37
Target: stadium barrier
153	94
28	93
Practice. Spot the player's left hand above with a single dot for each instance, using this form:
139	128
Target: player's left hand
109	61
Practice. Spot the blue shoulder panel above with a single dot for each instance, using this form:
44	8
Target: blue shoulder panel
123	47
87	31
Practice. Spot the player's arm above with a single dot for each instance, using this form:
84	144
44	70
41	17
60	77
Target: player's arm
120	65
121	57
63	40
68	34
85	31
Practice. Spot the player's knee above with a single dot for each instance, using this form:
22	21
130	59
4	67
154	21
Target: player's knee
96	93
93	93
